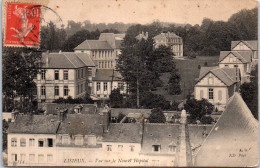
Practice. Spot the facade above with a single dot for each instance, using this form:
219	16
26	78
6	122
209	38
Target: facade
217	85
171	40
104	81
63	74
104	51
247	46
237	59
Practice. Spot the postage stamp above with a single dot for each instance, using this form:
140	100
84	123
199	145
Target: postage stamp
22	25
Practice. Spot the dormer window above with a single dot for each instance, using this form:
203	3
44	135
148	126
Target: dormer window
65	139
79	140
156	148
172	148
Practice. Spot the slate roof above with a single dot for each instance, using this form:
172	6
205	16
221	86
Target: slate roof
94	45
66	60
54	108
124	133
227	75
106	75
34	124
167	35
243	56
236	132
130	112
252	44
83	124
160	134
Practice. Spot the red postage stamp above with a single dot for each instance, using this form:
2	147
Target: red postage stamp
22	25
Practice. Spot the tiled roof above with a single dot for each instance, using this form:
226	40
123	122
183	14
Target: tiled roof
106	75
167	35
252	44
83	124
124	133
66	60
94	45
243	56
126	111
228	76
160	134
235	133
54	108
34	124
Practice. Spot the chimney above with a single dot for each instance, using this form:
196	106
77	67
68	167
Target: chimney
62	114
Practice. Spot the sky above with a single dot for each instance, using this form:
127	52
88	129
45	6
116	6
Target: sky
146	11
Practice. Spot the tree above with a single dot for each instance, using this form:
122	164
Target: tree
174	87
86	100
157	116
249	92
198	109
116	98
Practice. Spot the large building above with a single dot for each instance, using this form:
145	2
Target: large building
104	51
63	74
217	85
172	40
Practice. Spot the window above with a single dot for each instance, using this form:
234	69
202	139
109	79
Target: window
40	143
79	140
201	94
40	158
211	94
65	139
49	158
43	74
14	157
172	148
13	142
56	91
82	73
56	74
219	95
92	140
226	65
50	142
31	142
156	148
235	66
66	91
43	90
230	59
22	142
89	72
65	75
22	157
109	147
31	157
105	86
98	86
120	147
210	81
132	148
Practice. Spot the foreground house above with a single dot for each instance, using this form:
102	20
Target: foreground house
172	40
63	74
233	141
217	85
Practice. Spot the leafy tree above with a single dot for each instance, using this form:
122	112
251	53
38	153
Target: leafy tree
70	100
174	83
249	92
198	109
157	116
5	126
116	98
150	100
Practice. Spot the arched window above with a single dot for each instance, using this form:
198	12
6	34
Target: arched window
22	142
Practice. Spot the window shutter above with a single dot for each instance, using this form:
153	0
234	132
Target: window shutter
219	95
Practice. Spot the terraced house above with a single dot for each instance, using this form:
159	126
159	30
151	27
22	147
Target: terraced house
64	74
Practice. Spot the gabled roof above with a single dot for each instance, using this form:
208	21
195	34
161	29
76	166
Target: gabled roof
243	56
94	45
167	35
228	76
106	75
124	133
252	44
83	124
66	60
160	134
34	124
233	141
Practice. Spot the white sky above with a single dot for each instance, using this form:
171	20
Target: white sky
146	11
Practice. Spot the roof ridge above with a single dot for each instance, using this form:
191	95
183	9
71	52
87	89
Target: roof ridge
69	60
241	56
81	59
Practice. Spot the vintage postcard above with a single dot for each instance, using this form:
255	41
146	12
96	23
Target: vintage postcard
147	83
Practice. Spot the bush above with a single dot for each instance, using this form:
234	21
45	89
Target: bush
206	120
157	116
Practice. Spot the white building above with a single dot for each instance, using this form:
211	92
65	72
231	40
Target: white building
217	85
64	74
